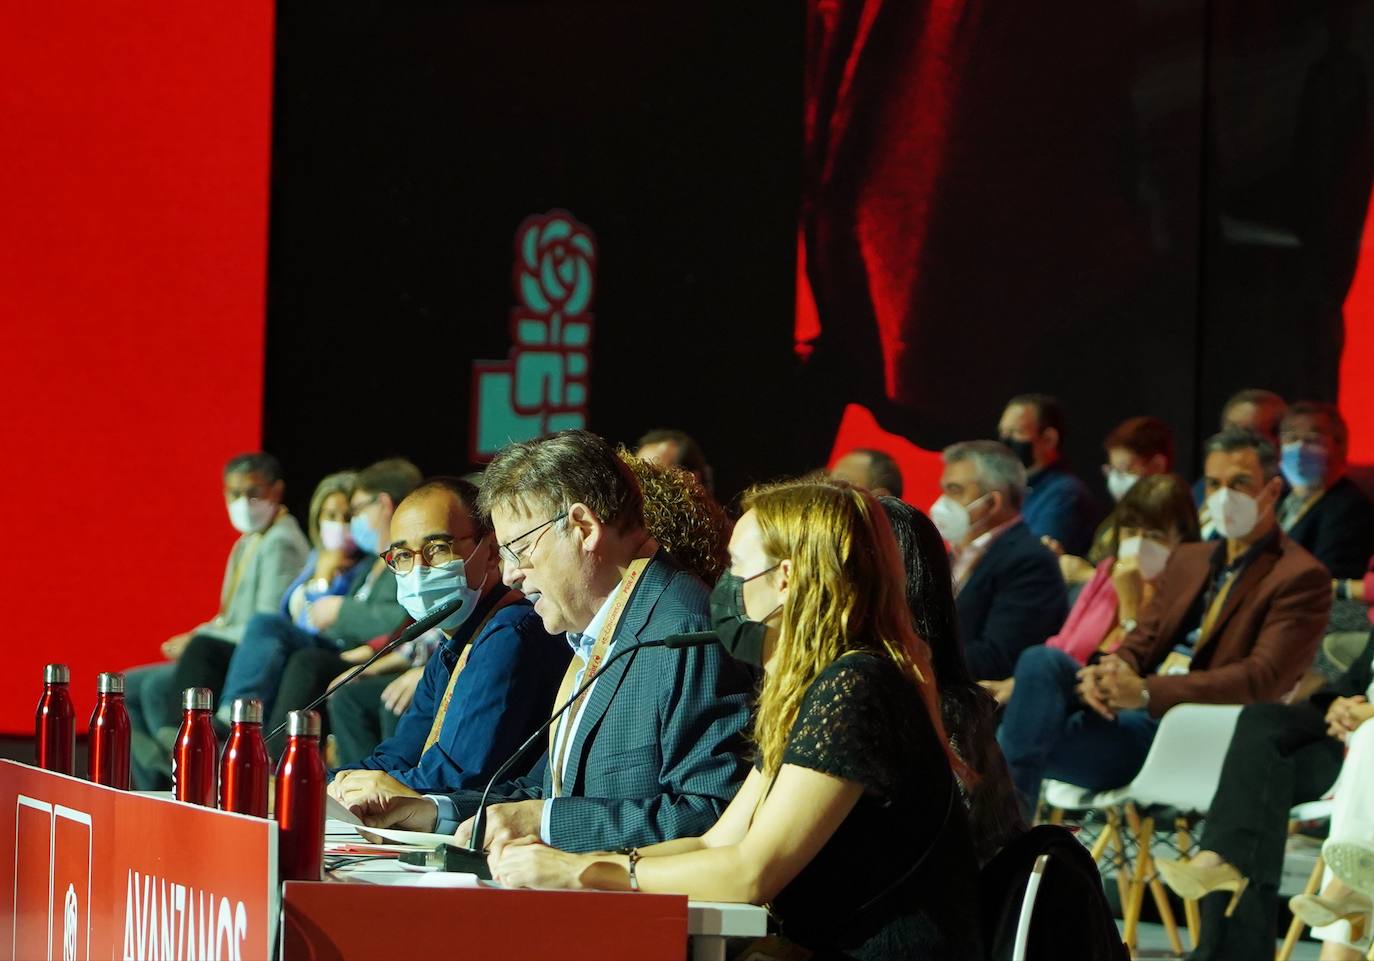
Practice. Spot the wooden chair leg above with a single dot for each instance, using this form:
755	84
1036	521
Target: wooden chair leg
1192	916
1105	838
1144	832
1121	859
1290	940
1166	914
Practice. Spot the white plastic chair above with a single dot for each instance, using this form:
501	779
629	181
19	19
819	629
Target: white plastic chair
1181	771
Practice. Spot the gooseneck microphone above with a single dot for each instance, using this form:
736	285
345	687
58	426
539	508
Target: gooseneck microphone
433	619
472	859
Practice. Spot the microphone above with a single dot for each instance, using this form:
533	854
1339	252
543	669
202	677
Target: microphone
435	617
472	859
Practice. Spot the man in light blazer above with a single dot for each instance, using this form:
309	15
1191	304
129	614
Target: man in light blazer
1235	621
655	750
264	560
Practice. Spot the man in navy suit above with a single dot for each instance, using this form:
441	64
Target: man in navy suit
1008	588
491	680
654	751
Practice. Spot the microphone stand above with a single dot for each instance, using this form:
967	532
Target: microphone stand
473	859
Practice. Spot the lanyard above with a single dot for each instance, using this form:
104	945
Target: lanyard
559	749
438	724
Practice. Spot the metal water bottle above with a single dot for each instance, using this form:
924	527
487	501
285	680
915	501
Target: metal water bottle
300	800
193	756
54	722
244	767
108	761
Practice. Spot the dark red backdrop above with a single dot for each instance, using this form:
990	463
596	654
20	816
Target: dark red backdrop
133	209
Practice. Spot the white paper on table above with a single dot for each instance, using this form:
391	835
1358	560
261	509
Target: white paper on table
335	811
419	838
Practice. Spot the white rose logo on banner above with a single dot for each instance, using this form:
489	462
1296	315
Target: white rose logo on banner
542	385
69	925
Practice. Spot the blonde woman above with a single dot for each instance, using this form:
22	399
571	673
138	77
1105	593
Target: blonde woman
849	825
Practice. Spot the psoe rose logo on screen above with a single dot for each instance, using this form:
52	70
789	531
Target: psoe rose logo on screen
164	919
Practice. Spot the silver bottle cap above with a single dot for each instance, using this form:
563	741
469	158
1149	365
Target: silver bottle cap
197	699
56	674
247	710
110	683
303	724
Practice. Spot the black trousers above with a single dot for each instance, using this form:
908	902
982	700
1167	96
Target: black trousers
204	663
1280	756
306	676
358	718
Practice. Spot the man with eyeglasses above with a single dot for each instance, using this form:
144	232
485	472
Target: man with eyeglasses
337	622
494	675
654	750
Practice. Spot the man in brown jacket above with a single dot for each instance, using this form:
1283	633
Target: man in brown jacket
1236	621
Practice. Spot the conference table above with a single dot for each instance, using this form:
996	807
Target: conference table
102	873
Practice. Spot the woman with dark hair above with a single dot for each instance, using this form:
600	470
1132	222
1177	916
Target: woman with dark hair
1154	517
968	711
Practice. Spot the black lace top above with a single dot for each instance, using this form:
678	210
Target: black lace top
863	721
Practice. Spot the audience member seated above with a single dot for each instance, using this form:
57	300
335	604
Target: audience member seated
968	713
327	571
1135	448
336	622
1007	587
1232	622
1281	755
1324	511
652	750
493	677
262	562
1250	409
1058	504
676	448
1153	519
849	826
870	469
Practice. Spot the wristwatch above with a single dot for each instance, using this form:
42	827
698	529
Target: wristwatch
1144	693
1129	625
633	855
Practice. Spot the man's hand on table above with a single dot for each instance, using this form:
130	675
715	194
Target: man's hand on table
356	788
505	822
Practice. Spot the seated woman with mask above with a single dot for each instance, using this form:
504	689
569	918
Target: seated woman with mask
850	825
1154	517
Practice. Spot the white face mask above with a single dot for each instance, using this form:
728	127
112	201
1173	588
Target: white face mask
1150	555
249	514
1119	482
336	536
1234	513
951	518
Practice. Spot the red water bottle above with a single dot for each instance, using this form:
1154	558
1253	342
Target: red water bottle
193	756
54	722
300	800
244	767
108	761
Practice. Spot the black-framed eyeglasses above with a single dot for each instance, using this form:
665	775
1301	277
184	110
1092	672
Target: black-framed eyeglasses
435	553
522	557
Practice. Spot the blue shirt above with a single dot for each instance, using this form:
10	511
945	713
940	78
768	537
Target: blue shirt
1059	504
504	692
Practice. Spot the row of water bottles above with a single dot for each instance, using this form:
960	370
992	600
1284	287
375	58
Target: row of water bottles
233	779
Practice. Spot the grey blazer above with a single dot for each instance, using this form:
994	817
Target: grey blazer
273	559
659	751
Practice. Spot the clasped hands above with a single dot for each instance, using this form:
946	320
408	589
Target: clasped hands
1111	685
1346	714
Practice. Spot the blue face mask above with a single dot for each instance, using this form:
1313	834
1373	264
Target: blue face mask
426	588
363	535
1304	465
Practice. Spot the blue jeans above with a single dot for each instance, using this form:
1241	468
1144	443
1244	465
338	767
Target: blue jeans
1047	732
256	668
